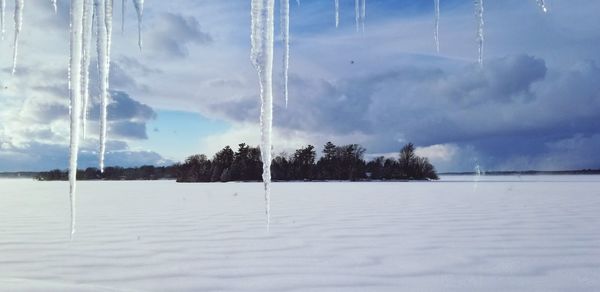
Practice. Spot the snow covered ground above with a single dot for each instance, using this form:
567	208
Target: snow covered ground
538	233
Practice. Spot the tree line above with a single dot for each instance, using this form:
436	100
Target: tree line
345	162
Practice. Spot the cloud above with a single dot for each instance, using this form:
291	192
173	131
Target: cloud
514	98
174	33
34	134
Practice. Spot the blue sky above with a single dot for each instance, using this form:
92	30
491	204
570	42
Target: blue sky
535	104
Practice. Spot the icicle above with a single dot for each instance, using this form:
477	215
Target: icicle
337	13
262	58
19	4
2	9
285	33
108	22
363	14
542	4
436	33
139	9
480	32
123	16
357	14
104	75
55	6
88	19
75	96
104	28
298	1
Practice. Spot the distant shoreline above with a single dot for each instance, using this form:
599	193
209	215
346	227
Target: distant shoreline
33	174
530	172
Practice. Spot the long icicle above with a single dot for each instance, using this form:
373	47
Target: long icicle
139	9
480	26
262	58
108	22
103	68
337	13
357	14
88	20
363	14
2	11
285	34
19	4
436	32
55	6
75	63
542	4
123	15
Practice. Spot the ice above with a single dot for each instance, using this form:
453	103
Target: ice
298	2
75	70
337	13
55	6
363	14
357	14
2	11
285	33
436	33
262	58
104	28
88	20
19	5
108	22
123	15
139	9
360	14
480	32
542	4
538	234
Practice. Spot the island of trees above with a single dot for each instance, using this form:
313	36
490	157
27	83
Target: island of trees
344	163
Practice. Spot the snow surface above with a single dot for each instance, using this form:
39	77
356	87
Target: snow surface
508	234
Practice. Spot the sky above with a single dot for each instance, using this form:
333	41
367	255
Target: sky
534	104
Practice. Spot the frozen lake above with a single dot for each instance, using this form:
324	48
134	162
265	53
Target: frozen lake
535	233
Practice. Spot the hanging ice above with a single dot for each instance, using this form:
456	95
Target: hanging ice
75	96
19	4
357	14
103	29
285	33
88	19
337	13
262	59
436	33
480	23
2	9
123	15
139	9
108	22
298	1
363	14
542	4
55	6
360	14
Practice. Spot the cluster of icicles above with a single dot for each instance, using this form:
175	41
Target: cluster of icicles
83	15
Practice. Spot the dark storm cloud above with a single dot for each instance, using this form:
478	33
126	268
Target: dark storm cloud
129	130
513	106
174	33
127	117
